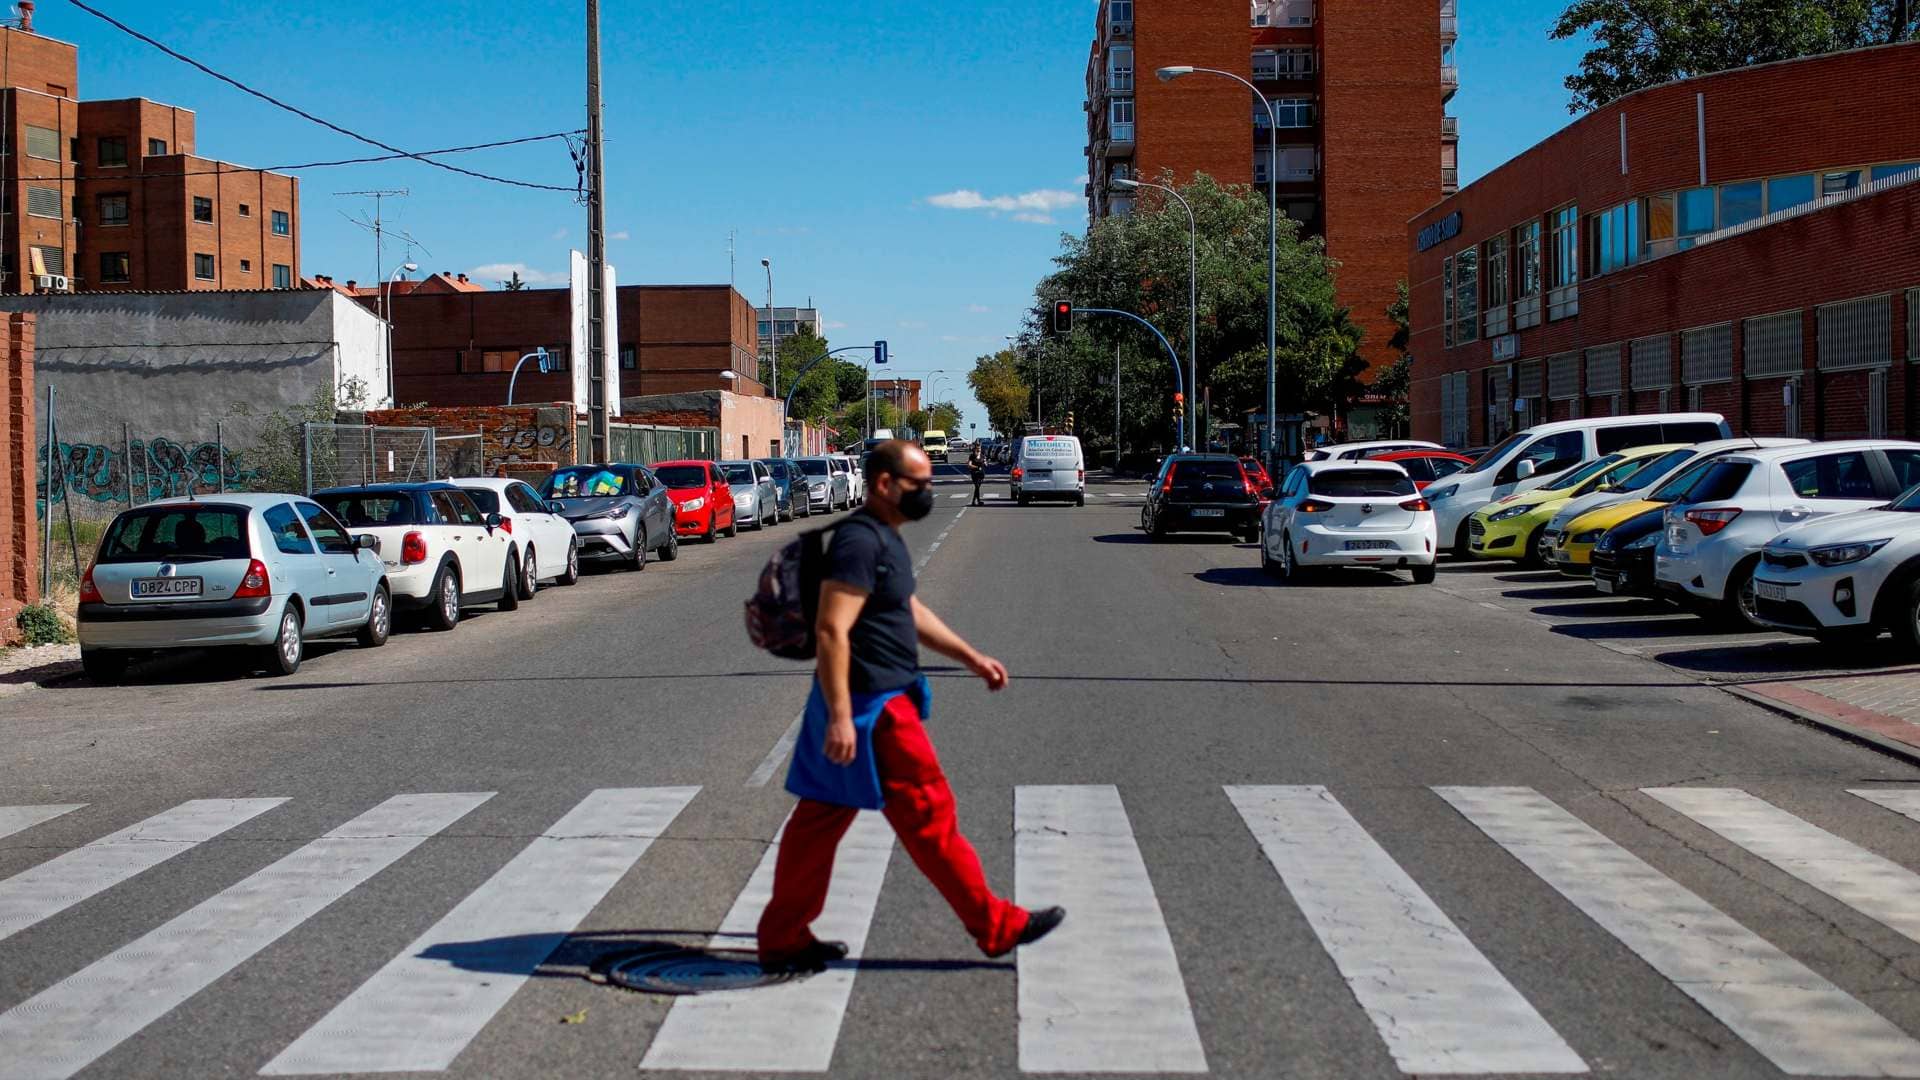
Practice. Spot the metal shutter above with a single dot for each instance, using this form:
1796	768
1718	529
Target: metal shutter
1771	345
52	258
43	143
43	201
1653	363
1706	354
1856	333
1563	376
1528	384
1603	370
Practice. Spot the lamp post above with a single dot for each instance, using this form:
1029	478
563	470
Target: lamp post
539	354
1193	294
1168	74
386	311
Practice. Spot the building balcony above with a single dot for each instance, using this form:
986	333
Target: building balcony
1450	128
1449	28
1449	80
1119	141
1449	178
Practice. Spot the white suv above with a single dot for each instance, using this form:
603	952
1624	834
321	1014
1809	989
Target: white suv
442	554
1846	577
1712	544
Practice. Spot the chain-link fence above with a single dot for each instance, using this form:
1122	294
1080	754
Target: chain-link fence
459	455
339	455
649	443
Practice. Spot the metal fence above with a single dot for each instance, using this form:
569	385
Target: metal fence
458	455
335	455
649	443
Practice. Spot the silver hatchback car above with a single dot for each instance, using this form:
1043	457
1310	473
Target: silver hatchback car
262	571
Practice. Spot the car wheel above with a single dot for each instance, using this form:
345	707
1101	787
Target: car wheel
1424	575
1905	621
1461	547
1739	608
1289	570
510	582
1267	565
712	535
1080	500
573	564
529	575
1026	500
638	560
1537	557
379	620
104	666
670	550
445	612
733	526
283	656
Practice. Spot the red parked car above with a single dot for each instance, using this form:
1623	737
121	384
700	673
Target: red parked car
1426	466
1256	474
702	501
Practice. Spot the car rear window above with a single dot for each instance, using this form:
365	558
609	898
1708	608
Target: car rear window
487	499
1360	483
738	474
682	477
172	533
1192	474
813	466
583	482
370	510
1722	481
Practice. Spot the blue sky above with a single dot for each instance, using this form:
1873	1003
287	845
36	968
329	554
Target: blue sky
908	165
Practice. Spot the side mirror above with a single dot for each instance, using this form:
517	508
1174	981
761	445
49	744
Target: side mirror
554	506
493	522
366	542
1524	470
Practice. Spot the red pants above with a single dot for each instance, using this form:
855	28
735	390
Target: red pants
921	810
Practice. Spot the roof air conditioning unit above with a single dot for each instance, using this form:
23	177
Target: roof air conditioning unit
52	283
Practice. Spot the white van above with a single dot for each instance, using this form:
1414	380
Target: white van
1526	459
1048	467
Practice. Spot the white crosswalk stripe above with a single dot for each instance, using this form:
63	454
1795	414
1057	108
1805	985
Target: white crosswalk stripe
790	1027
59	883
69	1025
1103	993
419	1011
15	819
1903	801
1793	1017
1440	1006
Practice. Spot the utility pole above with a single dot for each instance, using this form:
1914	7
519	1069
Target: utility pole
379	236
599	426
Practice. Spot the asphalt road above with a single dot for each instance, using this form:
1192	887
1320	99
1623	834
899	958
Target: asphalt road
1357	828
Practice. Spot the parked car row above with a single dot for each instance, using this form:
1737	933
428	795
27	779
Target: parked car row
269	572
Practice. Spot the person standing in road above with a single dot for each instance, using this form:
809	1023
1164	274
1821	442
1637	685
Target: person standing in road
977	471
862	744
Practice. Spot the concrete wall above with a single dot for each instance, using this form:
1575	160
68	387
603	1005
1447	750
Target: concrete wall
749	425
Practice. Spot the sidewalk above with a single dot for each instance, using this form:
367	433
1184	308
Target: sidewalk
1881	707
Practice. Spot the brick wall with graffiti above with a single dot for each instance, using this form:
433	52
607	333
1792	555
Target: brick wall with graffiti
512	438
149	469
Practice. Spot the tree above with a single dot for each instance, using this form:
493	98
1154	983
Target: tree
943	416
998	386
1642	43
819	394
1395	384
513	283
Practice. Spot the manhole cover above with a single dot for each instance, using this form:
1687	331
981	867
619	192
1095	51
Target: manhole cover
690	971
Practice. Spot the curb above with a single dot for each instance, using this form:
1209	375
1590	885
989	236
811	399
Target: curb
1871	729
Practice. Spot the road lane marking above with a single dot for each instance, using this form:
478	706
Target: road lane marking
61	882
1903	801
72	1023
1803	1024
421	1010
776	757
793	1026
1438	1003
1878	888
15	819
1103	993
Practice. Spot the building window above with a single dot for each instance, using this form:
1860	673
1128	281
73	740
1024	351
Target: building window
1839	182
245	210
1882	172
1740	203
113	209
1603	370
43	143
1770	345
1494	267
1706	354
113	151
48	258
203	266
1288	112
156	148
1120	68
629	358
246	266
1651	362
282	276
1446	302
1696	212
116	266
1283	64
1526	276
1120	119
44	202
556	357
1855	333
202	209
1613	239
1784	192
282	223
1564	266
1120	14
1296	163
1466	289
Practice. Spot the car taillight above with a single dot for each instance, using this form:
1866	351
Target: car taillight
1167	484
1315	506
506	525
1018	472
255	583
413	549
89	592
1712	521
1081	475
1416	505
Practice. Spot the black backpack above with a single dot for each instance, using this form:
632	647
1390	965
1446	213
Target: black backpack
782	611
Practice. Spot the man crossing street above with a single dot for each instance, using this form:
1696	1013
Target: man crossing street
977	472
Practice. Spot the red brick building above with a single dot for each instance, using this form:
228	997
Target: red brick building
1743	242
455	346
1359	91
110	196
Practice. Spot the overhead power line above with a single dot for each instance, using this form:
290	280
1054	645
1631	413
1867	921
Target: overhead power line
302	113
236	170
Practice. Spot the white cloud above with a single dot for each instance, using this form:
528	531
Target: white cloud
833	324
621	235
558	234
497	272
978	309
1031	206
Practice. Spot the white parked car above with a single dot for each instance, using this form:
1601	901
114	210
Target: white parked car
1355	450
442	554
1846	577
856	478
264	571
1343	512
1653	474
549	548
1711	545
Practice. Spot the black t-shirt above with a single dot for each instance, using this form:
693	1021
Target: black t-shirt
866	554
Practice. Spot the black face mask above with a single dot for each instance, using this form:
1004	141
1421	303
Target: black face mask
915	505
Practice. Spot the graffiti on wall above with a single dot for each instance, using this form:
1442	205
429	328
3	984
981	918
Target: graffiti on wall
162	468
513	442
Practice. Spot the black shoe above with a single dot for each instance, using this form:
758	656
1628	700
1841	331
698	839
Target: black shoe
1041	923
808	961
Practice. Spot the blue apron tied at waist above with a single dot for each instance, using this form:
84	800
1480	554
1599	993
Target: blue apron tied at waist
812	776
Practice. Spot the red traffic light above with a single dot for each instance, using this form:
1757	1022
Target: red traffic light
1062	316
1179	397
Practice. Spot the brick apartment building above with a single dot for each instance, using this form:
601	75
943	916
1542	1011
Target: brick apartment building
110	196
1359	91
458	345
904	394
1742	242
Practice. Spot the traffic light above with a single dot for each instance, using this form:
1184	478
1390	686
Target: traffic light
1063	316
1069	421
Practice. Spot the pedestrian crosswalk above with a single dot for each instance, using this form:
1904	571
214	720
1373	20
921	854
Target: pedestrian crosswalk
1109	992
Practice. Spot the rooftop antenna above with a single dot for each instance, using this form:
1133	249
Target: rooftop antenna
379	236
731	278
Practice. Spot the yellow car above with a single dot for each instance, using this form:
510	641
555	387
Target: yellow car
1515	527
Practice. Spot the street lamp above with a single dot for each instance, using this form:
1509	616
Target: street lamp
1168	74
386	311
1193	295
773	347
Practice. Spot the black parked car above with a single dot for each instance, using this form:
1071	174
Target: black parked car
1623	558
1201	493
619	511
